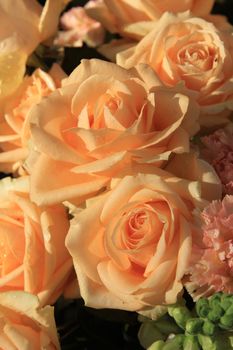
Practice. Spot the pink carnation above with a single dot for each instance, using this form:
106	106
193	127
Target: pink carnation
211	266
219	152
78	27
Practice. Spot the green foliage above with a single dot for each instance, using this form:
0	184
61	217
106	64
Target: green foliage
209	326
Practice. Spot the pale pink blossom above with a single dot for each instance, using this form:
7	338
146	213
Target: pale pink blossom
211	265
219	152
78	27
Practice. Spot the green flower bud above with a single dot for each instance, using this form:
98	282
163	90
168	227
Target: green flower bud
231	341
194	325
229	311
180	314
215	299
226	322
207	343
191	343
208	327
166	325
202	307
176	343
215	313
148	334
226	301
158	345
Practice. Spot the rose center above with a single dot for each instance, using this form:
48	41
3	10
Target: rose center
142	228
3	254
199	56
112	104
137	221
96	114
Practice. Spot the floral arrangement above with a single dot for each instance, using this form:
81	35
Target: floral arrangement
116	190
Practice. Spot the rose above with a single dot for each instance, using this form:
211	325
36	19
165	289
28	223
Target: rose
25	324
190	49
118	15
33	256
24	24
87	138
78	27
131	246
14	134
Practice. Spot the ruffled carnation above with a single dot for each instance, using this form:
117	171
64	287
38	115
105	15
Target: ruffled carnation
211	266
78	27
219	152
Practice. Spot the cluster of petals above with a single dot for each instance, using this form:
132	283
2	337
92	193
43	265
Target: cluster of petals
79	28
24	25
14	126
118	15
136	258
25	324
218	150
211	266
193	52
33	255
88	136
112	144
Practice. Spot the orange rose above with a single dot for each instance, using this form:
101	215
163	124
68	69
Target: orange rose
25	324
131	246
33	256
86	136
24	24
194	51
14	134
117	15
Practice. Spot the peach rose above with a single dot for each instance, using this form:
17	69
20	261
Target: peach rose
131	245
187	49
117	15
78	27
25	324
86	136
33	255
14	133
24	24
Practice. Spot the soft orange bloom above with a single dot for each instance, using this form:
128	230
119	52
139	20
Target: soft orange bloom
33	255
103	120
25	324
187	49
131	245
118	15
24	25
14	133
78	27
